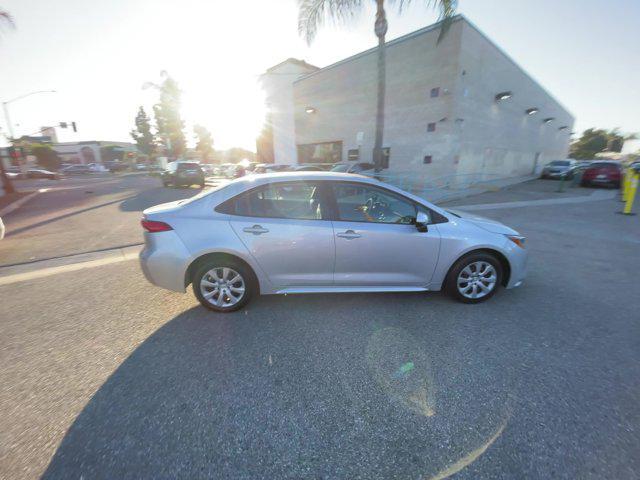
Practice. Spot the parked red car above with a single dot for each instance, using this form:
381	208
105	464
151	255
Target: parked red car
608	174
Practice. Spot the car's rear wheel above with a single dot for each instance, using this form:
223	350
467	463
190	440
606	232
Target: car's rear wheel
474	278
223	286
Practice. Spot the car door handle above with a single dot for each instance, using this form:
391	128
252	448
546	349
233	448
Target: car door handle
256	230
349	235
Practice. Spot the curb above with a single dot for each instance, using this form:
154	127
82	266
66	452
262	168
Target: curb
12	207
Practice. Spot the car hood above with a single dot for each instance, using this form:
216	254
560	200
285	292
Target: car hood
485	223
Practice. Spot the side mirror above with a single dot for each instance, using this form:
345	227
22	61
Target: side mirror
422	220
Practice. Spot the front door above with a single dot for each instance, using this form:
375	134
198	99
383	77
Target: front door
283	227
377	243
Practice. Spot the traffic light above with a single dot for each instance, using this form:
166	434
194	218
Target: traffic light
66	124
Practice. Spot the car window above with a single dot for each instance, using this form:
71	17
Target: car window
340	168
298	200
363	203
603	165
366	166
188	166
560	163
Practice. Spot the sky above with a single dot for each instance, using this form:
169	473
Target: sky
97	55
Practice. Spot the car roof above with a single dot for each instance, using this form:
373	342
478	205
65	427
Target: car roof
301	176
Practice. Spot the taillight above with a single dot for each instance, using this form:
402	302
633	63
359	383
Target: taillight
152	226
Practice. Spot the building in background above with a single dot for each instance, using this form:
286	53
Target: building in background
461	106
93	151
277	141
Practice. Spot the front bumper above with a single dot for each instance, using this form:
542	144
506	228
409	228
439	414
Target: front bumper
164	260
518	259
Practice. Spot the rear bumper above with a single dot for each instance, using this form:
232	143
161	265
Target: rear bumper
164	260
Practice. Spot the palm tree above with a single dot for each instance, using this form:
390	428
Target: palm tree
7	185
312	13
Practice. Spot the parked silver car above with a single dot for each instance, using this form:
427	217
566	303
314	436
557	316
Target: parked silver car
303	232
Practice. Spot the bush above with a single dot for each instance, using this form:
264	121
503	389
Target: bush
46	156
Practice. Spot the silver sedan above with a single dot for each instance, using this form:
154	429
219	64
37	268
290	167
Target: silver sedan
323	232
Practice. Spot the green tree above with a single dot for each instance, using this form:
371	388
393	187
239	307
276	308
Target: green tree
46	156
598	140
142	135
168	120
204	143
312	13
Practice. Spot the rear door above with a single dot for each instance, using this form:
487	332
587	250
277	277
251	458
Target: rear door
377	242
286	229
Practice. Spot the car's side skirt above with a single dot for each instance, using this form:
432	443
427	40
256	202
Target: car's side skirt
354	289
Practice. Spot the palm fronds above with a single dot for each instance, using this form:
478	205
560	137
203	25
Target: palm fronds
313	13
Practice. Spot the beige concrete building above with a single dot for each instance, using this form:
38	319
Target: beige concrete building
461	106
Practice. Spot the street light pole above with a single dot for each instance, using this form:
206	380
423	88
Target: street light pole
5	108
8	119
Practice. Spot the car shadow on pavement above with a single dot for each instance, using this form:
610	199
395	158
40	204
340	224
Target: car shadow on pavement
156	196
306	387
62	217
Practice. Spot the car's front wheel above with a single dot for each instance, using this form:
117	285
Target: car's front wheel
223	286
474	278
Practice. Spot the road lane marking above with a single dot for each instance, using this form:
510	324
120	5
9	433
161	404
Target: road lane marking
46	272
12	207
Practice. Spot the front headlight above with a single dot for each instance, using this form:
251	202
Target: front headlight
519	240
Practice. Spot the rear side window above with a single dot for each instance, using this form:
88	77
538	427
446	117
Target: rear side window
299	200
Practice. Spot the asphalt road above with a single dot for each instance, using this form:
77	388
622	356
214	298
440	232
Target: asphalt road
82	215
106	376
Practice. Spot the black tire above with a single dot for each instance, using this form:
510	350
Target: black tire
451	283
248	281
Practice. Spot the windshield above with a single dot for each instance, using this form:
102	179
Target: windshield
203	194
340	168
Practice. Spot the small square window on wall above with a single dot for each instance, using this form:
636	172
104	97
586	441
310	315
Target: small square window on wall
435	92
431	127
353	154
427	159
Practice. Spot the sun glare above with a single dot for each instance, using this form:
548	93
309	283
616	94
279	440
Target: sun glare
233	109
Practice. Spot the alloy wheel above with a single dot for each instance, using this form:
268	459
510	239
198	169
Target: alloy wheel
222	287
477	280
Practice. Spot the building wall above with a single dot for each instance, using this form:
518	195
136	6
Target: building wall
473	133
89	151
499	137
278	86
344	98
